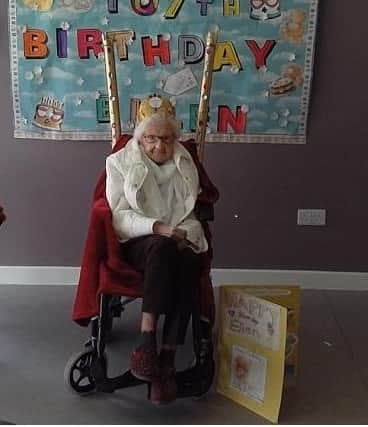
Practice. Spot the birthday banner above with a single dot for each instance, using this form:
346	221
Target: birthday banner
261	77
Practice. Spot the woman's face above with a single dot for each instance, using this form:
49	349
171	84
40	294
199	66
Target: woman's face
158	142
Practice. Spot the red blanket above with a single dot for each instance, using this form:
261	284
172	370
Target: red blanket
104	271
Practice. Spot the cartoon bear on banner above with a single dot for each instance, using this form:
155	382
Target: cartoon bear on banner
39	5
46	5
293	28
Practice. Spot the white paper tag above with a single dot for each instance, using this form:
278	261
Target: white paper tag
180	82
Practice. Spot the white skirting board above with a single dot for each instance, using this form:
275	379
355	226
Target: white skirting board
36	275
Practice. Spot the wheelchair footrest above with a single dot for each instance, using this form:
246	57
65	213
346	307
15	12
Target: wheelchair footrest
192	382
196	381
109	385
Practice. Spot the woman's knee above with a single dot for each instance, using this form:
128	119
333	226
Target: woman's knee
163	245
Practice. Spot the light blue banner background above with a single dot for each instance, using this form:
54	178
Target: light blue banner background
77	83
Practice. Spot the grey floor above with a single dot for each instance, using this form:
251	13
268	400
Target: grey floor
37	338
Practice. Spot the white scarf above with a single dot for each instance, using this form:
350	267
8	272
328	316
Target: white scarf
172	189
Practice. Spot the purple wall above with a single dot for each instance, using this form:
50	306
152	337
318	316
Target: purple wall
46	186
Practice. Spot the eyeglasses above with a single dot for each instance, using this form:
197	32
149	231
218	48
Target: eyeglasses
153	139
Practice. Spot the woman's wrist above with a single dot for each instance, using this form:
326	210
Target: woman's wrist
157	226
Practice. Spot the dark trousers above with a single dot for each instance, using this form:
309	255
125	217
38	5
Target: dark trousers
171	280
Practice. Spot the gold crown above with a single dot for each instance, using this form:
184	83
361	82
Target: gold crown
155	104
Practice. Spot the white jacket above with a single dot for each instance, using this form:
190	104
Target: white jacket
135	199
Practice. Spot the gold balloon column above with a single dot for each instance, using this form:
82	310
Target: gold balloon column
112	87
202	116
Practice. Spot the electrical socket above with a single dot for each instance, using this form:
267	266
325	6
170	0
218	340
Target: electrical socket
311	217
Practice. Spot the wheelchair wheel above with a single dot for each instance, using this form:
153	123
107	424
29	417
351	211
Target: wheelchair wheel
77	372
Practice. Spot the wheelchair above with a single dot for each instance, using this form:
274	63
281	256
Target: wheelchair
86	371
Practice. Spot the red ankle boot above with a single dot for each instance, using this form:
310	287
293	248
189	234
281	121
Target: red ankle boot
144	363
164	388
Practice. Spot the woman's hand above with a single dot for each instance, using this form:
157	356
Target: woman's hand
178	234
166	230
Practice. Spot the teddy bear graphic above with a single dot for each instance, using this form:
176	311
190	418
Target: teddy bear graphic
39	5
292	29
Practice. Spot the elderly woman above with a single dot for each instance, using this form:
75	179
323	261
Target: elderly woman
152	186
